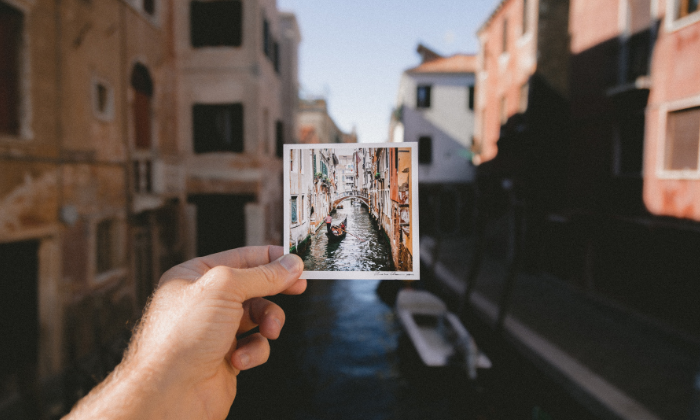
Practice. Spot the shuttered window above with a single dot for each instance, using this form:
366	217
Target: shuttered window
216	23
218	128
682	139
10	42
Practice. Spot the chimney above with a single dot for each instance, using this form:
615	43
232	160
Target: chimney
427	54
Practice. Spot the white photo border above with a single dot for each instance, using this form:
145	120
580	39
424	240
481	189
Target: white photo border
357	275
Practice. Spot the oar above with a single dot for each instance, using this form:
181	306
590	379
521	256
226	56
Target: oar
363	240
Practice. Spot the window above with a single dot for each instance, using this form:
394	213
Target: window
470	96
149	6
301	209
294	210
682	139
276	56
638	15
686	7
504	47
106	246
102	100
423	96
10	43
218	128
526	18
425	149
142	84
267	42
279	138
503	112
524	92
216	23
324	169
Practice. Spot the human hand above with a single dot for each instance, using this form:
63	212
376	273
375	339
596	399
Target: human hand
184	359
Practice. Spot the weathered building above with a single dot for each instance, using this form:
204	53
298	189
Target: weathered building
235	108
313	186
523	68
672	135
435	108
123	123
91	197
313	117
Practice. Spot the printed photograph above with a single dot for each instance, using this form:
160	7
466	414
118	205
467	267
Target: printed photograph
352	210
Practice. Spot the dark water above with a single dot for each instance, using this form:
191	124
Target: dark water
364	248
342	355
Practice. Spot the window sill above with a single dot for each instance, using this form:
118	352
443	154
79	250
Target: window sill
666	174
673	25
110	276
642	82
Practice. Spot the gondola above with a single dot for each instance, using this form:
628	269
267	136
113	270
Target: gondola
332	237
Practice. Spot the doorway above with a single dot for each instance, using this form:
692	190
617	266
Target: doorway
221	222
19	324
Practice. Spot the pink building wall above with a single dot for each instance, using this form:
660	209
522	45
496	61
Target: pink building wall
675	81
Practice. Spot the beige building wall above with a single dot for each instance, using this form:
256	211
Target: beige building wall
245	75
68	173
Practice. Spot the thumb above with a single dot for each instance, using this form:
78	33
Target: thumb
266	280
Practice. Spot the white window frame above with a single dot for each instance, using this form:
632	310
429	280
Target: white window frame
108	113
673	23
120	269
664	110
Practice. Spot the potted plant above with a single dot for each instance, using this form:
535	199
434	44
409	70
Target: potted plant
377	175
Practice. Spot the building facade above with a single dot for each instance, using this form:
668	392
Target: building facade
435	108
118	133
235	108
91	195
316	125
672	135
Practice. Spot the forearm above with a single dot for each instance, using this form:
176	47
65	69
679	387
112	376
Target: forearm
131	391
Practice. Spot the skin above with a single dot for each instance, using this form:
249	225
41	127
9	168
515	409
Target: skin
184	359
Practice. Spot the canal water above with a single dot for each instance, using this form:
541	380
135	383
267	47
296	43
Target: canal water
342	355
364	248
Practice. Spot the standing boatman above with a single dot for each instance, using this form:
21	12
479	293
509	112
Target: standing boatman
329	221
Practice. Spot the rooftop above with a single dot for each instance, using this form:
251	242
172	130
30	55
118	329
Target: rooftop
458	63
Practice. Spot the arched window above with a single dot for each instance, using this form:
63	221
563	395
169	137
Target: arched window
142	84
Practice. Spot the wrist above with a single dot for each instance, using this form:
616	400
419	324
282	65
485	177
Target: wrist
137	388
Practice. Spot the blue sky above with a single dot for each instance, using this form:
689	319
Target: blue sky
353	52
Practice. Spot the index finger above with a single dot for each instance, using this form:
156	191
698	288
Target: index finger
245	257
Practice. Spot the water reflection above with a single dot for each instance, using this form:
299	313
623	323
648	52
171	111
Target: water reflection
364	248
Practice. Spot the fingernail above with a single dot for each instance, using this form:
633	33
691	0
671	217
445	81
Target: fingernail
289	262
245	359
279	323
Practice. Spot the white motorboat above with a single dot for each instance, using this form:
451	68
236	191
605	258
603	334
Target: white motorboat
437	334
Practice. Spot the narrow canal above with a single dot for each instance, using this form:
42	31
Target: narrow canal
364	248
342	355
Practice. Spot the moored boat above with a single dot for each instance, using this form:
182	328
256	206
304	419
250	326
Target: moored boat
437	334
333	237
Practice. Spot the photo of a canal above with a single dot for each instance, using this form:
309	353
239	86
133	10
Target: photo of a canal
365	247
350	210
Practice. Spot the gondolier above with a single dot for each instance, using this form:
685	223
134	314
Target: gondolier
329	221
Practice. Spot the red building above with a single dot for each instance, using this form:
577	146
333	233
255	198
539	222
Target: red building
671	168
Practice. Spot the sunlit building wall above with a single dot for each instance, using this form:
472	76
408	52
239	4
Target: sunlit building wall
235	112
671	153
91	192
